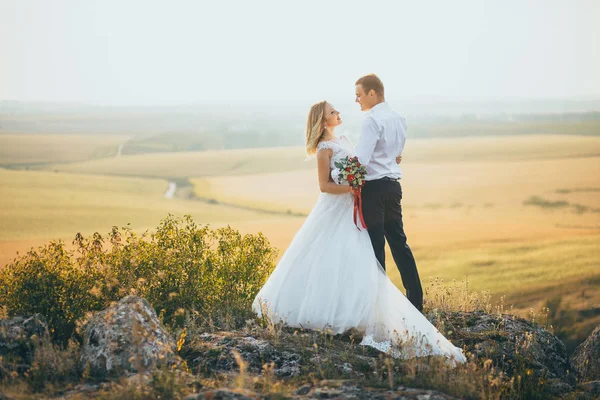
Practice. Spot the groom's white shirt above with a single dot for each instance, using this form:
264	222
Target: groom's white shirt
382	139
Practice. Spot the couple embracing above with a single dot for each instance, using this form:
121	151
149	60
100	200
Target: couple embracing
332	276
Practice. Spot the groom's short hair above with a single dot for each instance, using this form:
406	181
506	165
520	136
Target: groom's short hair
371	82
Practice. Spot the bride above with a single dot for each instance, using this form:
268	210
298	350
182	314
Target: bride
329	277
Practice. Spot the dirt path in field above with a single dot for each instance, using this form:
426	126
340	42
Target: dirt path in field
120	149
186	191
171	190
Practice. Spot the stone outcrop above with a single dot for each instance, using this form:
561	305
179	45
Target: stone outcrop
126	337
512	343
329	389
586	357
214	352
18	337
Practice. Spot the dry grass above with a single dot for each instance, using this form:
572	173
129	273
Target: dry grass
467	206
446	204
466	215
23	149
442	174
501	148
517	270
474	217
38	204
254	161
292	191
188	164
463	128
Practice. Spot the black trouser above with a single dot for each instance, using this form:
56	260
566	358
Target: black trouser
382	211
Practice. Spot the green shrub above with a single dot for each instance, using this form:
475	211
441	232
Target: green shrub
180	268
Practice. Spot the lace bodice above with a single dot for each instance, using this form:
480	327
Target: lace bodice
342	147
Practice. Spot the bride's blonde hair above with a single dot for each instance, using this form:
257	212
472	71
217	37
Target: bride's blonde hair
315	126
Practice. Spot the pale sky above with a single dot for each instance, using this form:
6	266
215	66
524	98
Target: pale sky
176	52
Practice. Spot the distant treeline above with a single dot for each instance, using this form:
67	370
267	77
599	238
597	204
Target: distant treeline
197	129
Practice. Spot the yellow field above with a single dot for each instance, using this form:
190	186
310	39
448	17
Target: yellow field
449	200
37	206
271	160
185	164
22	149
518	215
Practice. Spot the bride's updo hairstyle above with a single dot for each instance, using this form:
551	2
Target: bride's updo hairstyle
315	126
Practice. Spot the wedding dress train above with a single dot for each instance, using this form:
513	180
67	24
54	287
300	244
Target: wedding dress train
329	279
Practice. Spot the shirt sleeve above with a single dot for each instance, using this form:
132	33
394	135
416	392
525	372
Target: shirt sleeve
369	135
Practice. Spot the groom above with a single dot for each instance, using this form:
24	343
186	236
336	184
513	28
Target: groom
382	138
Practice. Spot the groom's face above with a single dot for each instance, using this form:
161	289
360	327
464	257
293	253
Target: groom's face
365	100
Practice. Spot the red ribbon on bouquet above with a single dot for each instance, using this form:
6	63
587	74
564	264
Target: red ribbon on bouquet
358	214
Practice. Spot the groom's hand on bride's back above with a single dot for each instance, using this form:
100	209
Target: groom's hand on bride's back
399	159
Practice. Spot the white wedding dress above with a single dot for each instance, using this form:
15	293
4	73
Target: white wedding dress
329	279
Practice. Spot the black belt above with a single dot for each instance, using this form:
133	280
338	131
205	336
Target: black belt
386	178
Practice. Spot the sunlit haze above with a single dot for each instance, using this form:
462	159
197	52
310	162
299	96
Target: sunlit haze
290	52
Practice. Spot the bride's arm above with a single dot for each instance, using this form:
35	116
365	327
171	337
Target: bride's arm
327	186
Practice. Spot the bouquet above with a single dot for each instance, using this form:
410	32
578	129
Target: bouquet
350	170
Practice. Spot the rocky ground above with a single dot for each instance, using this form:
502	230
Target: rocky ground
126	353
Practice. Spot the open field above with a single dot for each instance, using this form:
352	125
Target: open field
475	178
518	215
469	190
36	206
31	149
284	159
511	128
561	274
185	164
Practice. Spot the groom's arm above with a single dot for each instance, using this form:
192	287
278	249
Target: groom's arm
366	142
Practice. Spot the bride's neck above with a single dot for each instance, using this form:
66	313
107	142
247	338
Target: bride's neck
328	134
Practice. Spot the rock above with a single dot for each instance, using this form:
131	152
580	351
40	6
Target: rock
346	391
586	357
592	387
341	389
84	390
346	367
18	337
304	389
225	394
213	352
126	337
513	344
557	388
